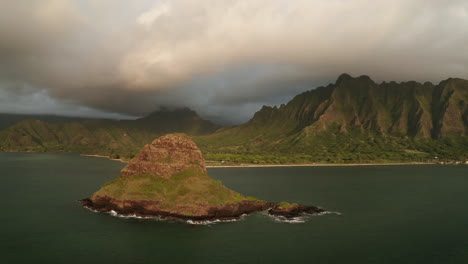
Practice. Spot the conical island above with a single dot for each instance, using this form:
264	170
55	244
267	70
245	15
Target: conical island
168	179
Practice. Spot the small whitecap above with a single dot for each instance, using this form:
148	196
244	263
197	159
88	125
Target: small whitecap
293	220
300	219
209	222
91	209
113	213
192	222
328	213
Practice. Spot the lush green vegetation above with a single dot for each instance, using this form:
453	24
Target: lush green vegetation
116	139
286	205
336	147
179	193
352	121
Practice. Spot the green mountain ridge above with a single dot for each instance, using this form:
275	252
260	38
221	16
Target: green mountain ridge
352	120
115	138
410	108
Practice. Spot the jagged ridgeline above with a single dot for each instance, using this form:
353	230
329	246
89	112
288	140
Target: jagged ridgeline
353	120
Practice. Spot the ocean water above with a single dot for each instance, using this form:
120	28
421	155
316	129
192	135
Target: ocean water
387	214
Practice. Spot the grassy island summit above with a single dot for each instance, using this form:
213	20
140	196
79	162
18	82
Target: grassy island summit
168	179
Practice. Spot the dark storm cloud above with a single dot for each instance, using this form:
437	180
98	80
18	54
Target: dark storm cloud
223	58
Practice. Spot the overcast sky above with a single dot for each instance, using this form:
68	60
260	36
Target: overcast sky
222	58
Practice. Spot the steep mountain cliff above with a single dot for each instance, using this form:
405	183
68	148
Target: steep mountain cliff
352	120
409	108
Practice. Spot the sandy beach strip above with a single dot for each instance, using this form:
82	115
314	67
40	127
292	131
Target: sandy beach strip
317	165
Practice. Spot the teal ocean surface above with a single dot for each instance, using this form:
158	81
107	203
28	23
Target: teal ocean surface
388	214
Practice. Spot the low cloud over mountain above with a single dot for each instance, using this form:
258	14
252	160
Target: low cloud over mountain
222	58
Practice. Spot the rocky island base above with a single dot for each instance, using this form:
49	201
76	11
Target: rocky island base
150	209
168	180
225	212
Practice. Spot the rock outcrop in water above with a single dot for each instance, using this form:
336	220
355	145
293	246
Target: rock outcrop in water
168	179
290	210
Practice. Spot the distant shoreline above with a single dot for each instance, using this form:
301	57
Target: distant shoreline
291	165
101	156
319	165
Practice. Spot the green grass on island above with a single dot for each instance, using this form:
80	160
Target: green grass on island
287	205
181	193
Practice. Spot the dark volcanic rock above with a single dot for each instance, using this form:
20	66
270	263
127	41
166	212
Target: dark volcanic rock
142	209
289	210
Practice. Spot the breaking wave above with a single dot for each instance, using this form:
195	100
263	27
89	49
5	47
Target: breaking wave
329	213
210	222
294	220
300	219
191	222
